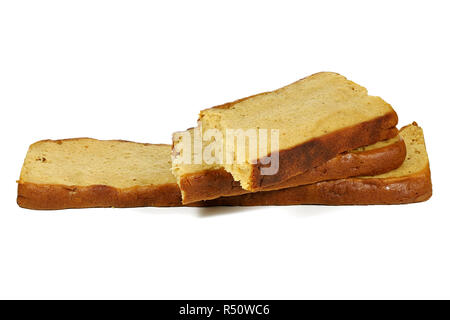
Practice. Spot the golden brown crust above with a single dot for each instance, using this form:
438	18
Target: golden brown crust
217	183
352	191
53	197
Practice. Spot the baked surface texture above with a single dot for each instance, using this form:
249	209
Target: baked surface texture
409	183
317	118
86	173
215	182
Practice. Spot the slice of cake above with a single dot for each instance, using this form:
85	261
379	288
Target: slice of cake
310	122
409	183
209	181
85	173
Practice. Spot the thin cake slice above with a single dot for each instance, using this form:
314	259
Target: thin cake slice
317	118
85	173
205	181
409	183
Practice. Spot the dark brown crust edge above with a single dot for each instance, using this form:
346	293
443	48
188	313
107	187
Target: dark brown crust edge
219	183
319	150
54	197
352	191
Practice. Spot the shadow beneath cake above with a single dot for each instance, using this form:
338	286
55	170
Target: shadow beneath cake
301	211
309	210
206	212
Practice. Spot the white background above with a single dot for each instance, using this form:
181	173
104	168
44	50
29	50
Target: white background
139	70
